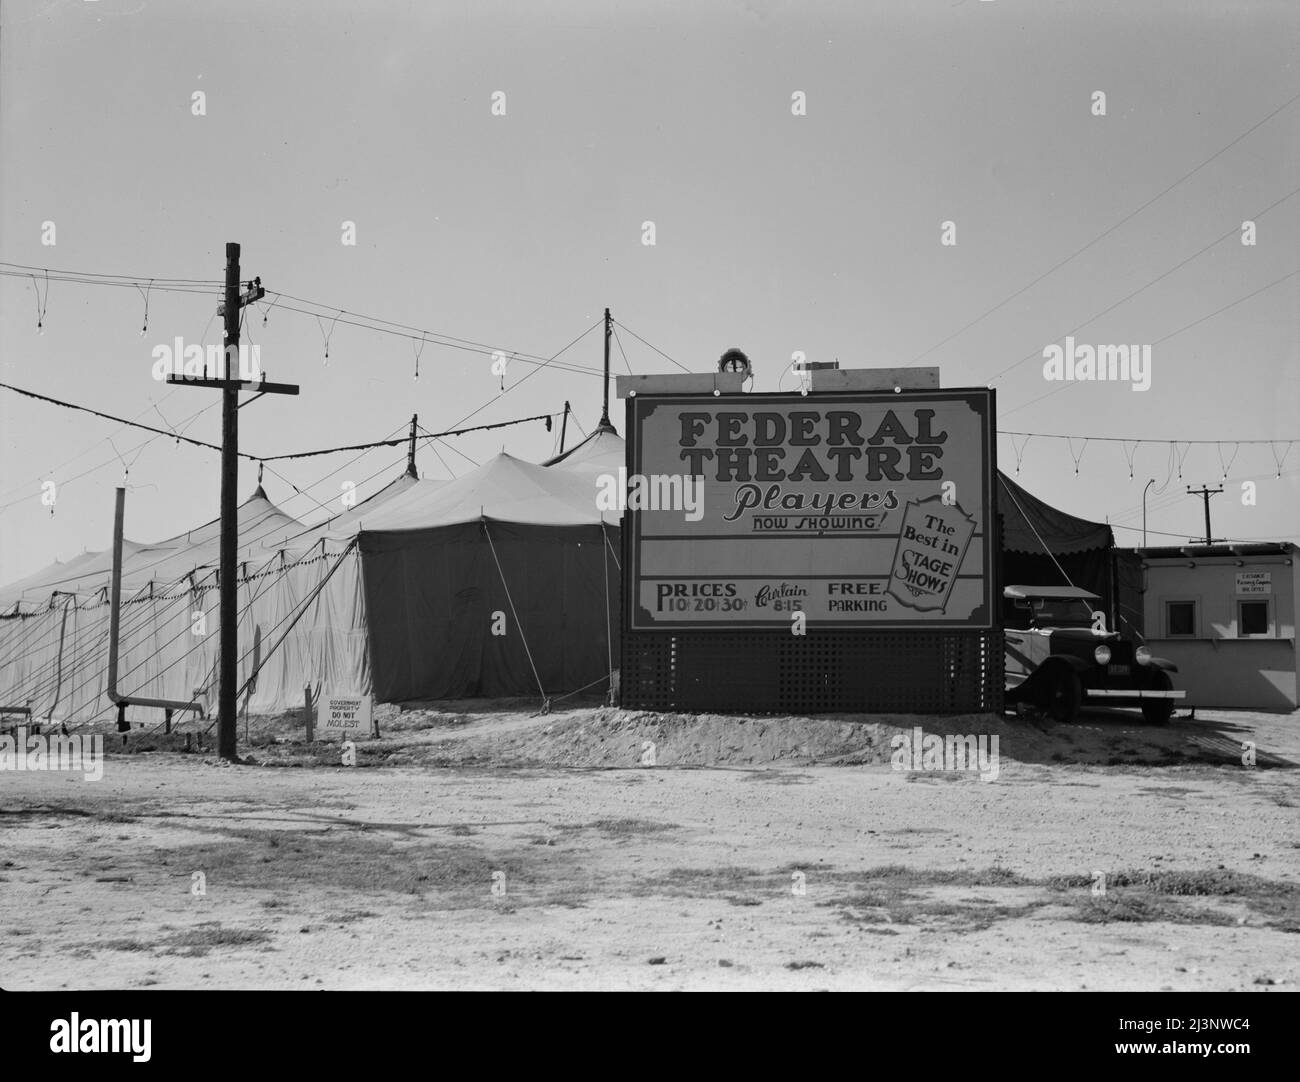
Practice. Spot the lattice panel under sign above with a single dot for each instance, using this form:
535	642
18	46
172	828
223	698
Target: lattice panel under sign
940	672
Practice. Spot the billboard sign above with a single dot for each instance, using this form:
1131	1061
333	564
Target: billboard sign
857	509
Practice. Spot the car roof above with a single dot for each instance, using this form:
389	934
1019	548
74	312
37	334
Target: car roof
1071	592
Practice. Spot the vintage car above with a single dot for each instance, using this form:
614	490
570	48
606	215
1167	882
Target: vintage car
1059	656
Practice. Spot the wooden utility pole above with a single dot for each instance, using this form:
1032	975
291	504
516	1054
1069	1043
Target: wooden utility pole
1205	494
410	451
227	733
230	384
564	425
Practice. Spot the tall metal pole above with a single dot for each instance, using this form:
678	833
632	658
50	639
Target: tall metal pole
1144	511
604	412
227	731
564	425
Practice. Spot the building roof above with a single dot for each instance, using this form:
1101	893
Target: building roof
1050	591
1229	549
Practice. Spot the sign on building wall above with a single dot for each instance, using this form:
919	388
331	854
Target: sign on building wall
345	718
1254	582
857	509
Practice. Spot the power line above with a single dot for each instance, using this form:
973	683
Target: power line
1102	236
129	278
245	544
119	420
1171	334
1219	540
431	339
94	469
260	458
335	314
395	442
534	372
1141	289
1134	439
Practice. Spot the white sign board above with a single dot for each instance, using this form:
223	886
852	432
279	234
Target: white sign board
1254	582
346	718
855	509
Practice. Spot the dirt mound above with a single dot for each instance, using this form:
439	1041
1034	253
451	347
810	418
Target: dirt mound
619	738
514	734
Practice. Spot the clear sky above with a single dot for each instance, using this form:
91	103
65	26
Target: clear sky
774	232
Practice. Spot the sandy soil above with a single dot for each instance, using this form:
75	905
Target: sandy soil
756	853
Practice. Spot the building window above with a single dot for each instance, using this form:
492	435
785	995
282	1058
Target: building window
1180	619
1252	618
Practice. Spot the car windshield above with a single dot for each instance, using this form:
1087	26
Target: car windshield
1061	612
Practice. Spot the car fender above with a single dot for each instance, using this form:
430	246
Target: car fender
1162	663
1043	673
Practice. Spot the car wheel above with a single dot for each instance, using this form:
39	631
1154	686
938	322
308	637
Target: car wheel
1158	711
1063	697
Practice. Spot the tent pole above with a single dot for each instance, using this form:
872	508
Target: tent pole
604	412
410	452
564	425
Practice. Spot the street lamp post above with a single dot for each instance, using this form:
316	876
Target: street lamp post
1144	511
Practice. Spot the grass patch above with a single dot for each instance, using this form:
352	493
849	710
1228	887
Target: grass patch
894	894
778	777
373	862
619	828
61	809
195	943
1141	908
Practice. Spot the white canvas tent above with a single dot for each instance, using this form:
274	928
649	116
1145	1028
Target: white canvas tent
297	583
302	594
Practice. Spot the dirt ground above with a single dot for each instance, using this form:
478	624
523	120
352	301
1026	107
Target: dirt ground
486	846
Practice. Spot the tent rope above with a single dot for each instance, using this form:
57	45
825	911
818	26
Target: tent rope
612	552
546	703
1030	522
578	691
247	686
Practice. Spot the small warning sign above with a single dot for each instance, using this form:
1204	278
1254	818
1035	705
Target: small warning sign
345	719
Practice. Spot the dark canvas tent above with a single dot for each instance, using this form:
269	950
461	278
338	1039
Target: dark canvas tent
1081	550
502	582
1032	528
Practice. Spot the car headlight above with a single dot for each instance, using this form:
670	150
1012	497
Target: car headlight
1102	654
1142	655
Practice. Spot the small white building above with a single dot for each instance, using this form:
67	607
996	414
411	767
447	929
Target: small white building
1225	614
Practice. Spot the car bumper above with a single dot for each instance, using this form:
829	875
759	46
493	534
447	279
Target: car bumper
1128	693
